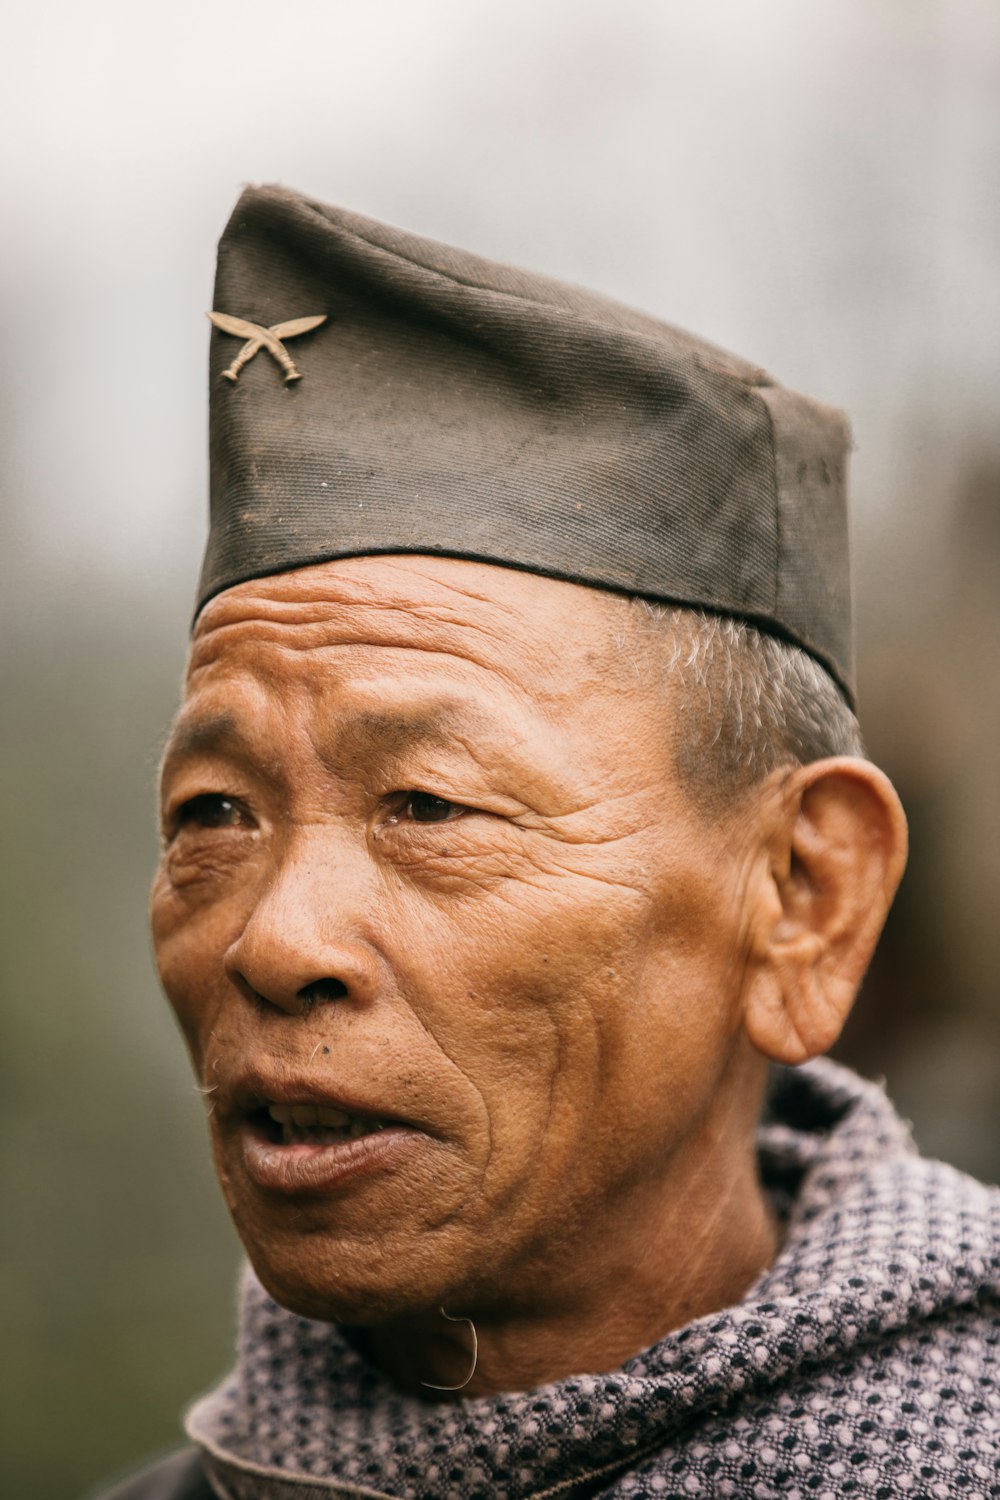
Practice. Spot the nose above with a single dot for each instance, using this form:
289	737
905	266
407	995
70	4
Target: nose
302	943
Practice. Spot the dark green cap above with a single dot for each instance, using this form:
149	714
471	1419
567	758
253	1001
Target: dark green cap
398	395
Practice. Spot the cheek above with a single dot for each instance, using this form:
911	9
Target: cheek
593	1018
677	1027
189	946
517	992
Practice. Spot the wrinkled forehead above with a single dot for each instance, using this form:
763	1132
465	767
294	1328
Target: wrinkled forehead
525	629
379	654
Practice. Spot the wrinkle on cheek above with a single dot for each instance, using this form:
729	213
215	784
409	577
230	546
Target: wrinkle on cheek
532	1039
199	874
439	1047
521	1155
450	871
556	1070
501	858
608	815
550	888
567	1082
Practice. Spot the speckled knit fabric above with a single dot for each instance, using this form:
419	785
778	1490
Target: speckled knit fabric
865	1362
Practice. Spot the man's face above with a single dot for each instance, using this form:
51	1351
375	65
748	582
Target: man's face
429	883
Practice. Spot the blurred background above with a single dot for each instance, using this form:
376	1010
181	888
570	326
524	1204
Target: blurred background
812	185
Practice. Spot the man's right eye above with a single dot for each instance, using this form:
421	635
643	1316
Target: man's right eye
211	810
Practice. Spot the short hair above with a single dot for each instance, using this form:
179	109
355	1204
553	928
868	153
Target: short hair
749	703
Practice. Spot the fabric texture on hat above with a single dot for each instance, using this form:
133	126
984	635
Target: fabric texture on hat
449	404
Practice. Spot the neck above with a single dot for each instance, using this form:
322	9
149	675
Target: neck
660	1260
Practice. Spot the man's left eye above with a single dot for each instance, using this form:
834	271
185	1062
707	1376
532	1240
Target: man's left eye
424	807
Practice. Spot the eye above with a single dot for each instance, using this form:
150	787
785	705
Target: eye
211	810
424	807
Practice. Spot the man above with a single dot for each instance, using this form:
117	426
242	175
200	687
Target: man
516	824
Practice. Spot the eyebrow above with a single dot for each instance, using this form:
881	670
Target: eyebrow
201	736
393	731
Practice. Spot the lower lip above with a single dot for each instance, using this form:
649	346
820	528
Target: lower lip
322	1169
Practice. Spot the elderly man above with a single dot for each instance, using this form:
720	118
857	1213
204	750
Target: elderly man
516	824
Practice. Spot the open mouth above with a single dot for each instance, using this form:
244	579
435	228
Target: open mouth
310	1148
312	1124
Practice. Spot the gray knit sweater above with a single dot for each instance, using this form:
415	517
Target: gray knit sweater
865	1362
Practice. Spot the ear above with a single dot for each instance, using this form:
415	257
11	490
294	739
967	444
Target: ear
836	849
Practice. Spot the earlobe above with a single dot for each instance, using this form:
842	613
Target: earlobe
836	850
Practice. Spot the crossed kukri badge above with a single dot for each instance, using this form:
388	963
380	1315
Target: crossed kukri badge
258	338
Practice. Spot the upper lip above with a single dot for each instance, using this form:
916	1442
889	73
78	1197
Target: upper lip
252	1091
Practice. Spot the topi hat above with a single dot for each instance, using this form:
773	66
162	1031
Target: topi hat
374	391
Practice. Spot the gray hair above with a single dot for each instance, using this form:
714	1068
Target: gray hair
748	703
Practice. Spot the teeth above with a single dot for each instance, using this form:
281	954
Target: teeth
308	1115
299	1118
333	1117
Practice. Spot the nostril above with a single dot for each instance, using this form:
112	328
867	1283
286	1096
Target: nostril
323	989
261	1001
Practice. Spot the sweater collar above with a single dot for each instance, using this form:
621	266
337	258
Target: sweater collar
304	1415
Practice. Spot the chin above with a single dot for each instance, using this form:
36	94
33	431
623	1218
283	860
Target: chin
331	1285
322	1303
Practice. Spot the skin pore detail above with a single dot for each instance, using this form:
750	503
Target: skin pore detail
428	873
